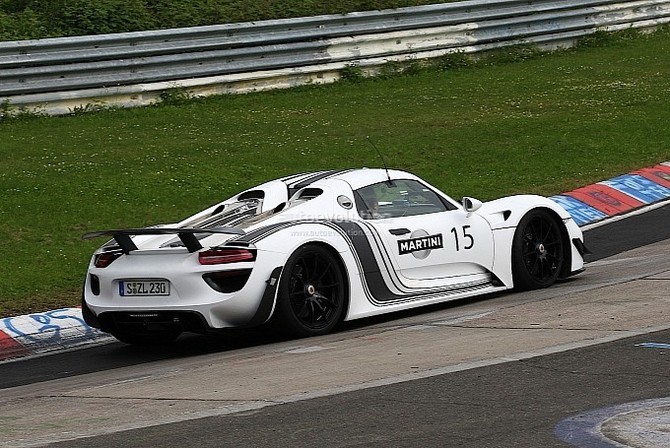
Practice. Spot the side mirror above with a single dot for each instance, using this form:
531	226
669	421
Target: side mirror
471	204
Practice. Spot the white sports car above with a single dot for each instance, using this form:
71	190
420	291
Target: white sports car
308	251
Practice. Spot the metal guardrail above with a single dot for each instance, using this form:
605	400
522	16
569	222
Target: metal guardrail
61	74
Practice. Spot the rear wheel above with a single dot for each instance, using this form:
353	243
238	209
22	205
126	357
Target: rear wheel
537	251
311	294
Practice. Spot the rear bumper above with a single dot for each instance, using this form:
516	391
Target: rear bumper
145	322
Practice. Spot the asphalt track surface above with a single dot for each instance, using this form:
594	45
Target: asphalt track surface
515	404
511	404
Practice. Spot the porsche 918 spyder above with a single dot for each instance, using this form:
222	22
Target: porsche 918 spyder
305	252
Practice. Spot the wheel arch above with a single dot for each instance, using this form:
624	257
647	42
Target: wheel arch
343	268
565	240
291	238
566	268
282	317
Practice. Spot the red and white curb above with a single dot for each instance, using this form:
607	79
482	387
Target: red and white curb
40	333
618	196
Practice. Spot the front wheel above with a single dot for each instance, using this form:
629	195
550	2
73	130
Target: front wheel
537	251
311	294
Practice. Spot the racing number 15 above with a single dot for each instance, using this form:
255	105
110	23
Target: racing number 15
466	237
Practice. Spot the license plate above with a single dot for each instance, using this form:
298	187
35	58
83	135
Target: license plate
140	288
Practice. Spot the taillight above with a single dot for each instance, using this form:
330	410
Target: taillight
105	259
223	256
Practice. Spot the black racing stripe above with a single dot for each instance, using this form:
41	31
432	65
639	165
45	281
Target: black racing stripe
256	234
371	272
292	188
386	264
288	179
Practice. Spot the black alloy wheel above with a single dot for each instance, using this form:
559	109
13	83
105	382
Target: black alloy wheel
537	251
311	293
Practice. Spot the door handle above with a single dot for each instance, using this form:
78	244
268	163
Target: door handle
400	231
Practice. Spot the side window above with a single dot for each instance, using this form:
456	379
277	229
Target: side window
398	198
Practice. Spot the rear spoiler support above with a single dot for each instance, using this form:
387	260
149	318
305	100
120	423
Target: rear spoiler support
123	237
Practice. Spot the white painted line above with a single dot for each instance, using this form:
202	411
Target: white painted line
635	212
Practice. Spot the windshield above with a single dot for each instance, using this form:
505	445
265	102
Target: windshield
404	197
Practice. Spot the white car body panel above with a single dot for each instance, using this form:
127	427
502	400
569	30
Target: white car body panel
472	255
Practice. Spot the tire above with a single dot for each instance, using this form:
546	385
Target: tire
537	251
311	296
158	337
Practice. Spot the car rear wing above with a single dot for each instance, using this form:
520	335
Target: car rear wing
187	235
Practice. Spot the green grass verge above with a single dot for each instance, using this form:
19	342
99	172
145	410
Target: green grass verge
34	19
540	124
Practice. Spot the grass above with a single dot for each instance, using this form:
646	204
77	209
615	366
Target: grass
540	124
23	19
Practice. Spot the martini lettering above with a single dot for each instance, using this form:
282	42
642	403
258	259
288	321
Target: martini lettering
421	243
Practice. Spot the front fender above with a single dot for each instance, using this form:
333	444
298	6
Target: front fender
504	216
508	211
